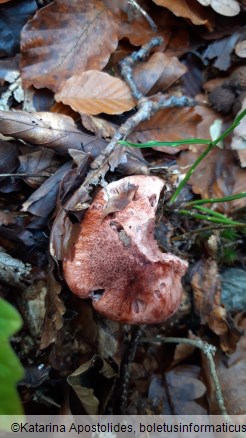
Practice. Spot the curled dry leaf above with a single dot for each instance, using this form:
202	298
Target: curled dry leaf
54	310
168	125
218	175
54	131
40	162
64	39
100	127
94	92
187	9
128	279
46	194
206	292
85	382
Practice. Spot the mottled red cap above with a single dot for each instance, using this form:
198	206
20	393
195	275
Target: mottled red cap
116	261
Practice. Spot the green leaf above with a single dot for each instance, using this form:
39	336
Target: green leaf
11	370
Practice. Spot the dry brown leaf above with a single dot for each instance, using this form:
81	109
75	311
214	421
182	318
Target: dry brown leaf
206	292
40	162
218	175
231	371
187	9
66	38
229	8
102	128
55	309
178	391
94	92
160	72
168	125
50	130
206	287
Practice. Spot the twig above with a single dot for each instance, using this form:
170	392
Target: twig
208	350
115	153
204	229
127	369
25	175
144	13
146	107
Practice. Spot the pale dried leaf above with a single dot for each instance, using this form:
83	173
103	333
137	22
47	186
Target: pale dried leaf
94	92
240	49
65	38
186	9
228	8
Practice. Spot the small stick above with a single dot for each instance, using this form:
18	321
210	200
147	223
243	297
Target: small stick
144	13
209	351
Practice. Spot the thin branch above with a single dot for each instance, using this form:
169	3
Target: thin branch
144	13
209	351
184	236
127	369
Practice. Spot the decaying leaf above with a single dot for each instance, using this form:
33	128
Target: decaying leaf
8	157
231	371
206	287
94	92
64	39
168	125
46	194
54	311
50	130
177	393
13	17
33	164
158	73
218	175
93	383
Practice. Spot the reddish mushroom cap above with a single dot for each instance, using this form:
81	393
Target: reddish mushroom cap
116	261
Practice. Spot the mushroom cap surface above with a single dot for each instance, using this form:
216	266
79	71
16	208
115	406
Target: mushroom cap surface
116	260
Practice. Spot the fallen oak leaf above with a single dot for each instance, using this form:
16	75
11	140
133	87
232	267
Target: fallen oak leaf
65	38
94	92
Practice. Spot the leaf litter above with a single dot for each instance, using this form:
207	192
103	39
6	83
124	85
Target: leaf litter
59	145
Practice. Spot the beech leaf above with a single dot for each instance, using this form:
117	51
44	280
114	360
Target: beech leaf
186	9
54	131
94	92
169	125
66	38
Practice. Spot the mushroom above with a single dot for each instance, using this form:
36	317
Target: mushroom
116	260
